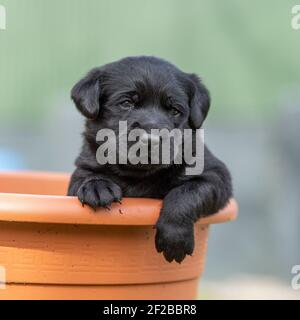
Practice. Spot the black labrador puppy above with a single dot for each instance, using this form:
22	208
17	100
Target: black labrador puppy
148	93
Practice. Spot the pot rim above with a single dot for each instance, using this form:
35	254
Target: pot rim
57	209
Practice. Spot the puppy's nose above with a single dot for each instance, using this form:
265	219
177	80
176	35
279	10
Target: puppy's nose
148	138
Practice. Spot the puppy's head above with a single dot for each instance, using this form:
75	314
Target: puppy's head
147	92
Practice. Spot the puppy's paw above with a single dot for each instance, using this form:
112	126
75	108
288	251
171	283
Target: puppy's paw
174	240
98	192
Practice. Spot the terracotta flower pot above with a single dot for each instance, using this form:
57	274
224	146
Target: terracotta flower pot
53	248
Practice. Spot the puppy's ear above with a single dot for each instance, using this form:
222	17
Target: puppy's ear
86	94
199	101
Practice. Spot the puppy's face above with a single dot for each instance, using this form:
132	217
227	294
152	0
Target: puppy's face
147	92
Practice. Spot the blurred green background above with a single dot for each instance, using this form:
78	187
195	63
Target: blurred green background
249	57
246	52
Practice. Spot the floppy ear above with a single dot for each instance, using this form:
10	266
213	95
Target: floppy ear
199	101
86	94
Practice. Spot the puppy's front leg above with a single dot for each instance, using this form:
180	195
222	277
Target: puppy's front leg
184	205
94	189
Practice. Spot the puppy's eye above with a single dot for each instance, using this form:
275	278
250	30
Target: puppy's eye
127	104
175	112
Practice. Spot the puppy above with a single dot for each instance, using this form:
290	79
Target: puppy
148	93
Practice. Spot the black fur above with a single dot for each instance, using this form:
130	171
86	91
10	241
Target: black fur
152	87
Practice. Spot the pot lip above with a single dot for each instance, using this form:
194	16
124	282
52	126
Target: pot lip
53	209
